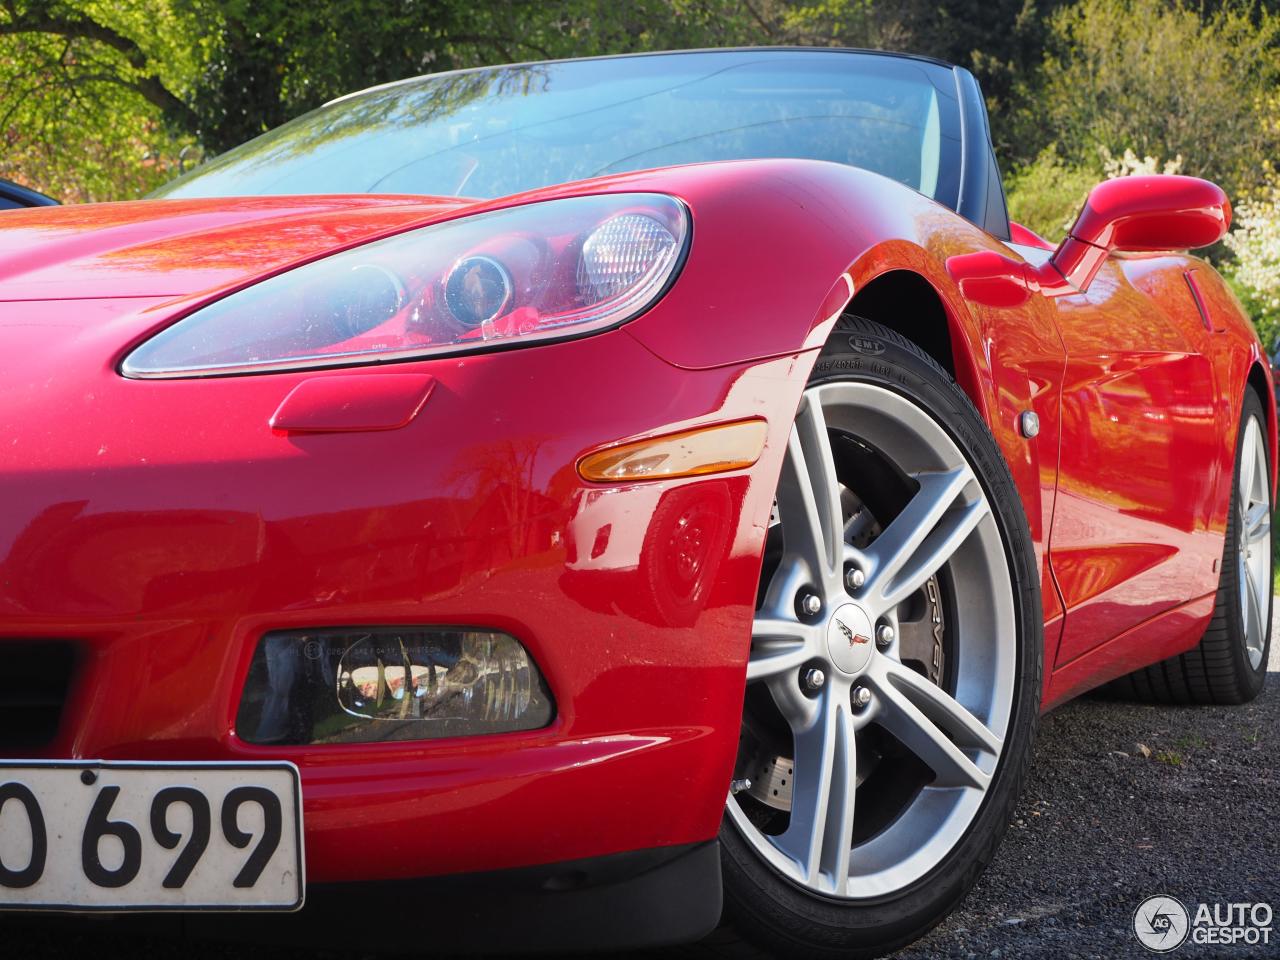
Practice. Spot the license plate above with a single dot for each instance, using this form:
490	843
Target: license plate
150	836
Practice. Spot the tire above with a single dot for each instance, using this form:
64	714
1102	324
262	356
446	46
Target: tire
1230	663
977	659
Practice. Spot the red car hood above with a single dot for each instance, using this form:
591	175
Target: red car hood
158	248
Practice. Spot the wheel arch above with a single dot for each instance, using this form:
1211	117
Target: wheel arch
908	303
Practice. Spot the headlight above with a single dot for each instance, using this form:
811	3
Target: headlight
526	274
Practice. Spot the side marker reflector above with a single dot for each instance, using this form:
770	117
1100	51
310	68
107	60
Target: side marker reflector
691	453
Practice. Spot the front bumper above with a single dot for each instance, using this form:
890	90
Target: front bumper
625	901
162	527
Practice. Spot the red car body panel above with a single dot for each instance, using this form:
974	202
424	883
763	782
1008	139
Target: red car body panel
1127	542
186	247
166	524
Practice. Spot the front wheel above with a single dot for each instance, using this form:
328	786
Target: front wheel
894	675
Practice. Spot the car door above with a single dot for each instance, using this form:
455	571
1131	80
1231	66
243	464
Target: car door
1130	535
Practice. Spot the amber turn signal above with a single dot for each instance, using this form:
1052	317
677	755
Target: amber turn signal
713	449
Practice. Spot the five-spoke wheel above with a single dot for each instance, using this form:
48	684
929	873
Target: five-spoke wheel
890	654
825	644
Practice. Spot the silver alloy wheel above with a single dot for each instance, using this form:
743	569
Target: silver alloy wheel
958	733
1254	522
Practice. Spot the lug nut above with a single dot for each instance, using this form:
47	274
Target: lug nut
861	697
854	578
814	678
884	636
811	604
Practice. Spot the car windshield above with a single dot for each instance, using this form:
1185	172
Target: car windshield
502	130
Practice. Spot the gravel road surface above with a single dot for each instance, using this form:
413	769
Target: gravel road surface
1124	801
1102	826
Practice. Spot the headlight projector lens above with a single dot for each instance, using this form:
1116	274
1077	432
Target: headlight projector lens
477	289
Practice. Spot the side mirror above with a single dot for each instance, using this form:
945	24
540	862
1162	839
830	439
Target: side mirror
1144	213
1148	213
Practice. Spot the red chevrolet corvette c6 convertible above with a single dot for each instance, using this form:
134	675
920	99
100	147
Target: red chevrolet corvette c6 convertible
589	503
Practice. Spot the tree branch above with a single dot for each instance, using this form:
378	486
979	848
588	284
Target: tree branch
79	28
759	18
148	84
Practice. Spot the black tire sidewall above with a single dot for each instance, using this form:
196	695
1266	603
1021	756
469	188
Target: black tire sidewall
764	906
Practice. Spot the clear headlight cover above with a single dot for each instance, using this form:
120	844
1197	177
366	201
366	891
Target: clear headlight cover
525	274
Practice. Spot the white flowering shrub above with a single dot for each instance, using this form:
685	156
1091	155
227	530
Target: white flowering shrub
1131	164
1255	241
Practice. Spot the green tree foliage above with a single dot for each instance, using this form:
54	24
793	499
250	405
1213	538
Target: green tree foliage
272	60
1129	86
1047	193
84	92
99	98
1161	79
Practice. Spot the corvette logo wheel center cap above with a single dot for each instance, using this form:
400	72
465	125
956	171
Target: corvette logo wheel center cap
849	638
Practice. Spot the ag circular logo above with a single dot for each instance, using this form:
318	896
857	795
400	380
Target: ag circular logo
1161	923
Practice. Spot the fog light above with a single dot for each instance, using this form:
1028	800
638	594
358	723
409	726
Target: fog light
359	686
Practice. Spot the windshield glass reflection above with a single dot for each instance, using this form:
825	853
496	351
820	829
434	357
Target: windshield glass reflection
493	132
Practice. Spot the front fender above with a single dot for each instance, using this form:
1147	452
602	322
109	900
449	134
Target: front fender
778	246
